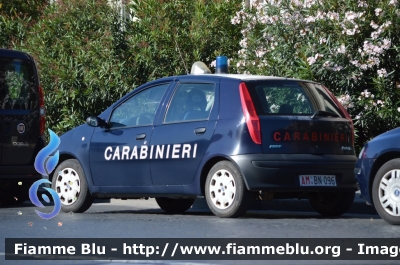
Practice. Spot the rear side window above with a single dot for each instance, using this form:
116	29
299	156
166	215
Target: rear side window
290	98
191	102
18	90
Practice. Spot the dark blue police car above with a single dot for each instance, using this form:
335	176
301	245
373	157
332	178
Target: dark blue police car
230	138
378	173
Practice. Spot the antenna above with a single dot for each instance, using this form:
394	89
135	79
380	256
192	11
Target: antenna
184	64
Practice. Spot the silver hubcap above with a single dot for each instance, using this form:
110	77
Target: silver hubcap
68	186
222	189
389	192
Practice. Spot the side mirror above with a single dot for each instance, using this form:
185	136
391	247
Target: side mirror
96	122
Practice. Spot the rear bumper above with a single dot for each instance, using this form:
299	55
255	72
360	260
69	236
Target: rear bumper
19	172
281	172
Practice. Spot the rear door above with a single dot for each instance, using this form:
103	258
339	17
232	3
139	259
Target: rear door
180	142
20	119
300	118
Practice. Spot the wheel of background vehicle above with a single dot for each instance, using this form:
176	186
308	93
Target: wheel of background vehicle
226	192
171	205
70	184
386	192
332	203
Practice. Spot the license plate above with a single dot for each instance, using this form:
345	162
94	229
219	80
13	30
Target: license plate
317	180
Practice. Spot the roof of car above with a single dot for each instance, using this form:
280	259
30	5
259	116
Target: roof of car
251	77
14	54
241	77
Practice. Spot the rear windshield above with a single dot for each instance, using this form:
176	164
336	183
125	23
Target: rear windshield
17	84
290	98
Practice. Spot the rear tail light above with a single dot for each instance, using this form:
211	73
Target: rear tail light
252	120
344	111
42	111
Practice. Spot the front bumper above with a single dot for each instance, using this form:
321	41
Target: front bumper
277	172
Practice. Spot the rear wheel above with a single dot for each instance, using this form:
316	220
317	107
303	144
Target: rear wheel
70	184
171	205
226	192
386	192
332	203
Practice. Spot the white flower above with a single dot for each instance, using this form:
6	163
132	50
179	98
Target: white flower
311	60
382	72
398	109
393	2
374	25
378	11
362	4
341	49
375	34
326	64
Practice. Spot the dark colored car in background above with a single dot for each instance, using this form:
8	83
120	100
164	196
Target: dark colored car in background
378	173
22	125
230	138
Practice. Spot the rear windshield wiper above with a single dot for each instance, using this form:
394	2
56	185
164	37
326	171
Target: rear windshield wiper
324	113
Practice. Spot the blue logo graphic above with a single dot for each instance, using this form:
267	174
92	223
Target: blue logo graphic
397	192
45	162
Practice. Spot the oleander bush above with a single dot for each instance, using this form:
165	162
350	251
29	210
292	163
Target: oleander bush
77	51
168	36
351	46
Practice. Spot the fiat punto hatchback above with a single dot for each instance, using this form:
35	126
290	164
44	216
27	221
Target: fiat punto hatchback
230	138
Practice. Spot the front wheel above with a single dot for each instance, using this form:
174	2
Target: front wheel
171	205
226	192
332	203
70	184
386	192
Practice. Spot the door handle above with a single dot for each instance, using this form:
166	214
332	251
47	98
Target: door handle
140	136
199	131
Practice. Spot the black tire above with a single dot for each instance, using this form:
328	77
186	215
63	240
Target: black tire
232	199
388	195
332	203
74	195
171	205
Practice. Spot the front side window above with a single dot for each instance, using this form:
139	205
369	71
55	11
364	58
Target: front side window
140	109
17	85
191	102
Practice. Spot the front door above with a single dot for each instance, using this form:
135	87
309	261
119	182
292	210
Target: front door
119	156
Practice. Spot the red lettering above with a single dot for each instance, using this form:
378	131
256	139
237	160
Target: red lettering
287	137
296	136
326	137
314	137
342	137
308	180
277	136
336	137
305	137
